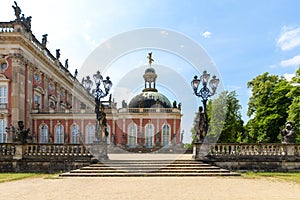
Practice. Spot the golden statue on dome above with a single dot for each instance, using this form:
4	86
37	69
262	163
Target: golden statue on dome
150	58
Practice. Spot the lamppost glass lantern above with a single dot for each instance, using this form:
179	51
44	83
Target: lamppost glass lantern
204	93
100	142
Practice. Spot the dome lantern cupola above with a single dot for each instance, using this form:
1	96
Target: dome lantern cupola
150	76
150	97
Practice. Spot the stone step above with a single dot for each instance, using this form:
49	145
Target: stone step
149	168
150	165
127	168
145	174
150	171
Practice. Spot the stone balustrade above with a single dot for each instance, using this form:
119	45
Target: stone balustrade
6	27
149	110
237	150
12	150
56	150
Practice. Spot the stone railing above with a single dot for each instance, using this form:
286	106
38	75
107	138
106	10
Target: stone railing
18	151
6	27
149	110
238	150
7	150
55	150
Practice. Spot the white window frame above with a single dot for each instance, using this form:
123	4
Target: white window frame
75	134
132	135
3	94
149	135
166	133
3	133
90	134
44	133
59	134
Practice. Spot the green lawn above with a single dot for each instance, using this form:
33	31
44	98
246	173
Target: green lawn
4	177
287	176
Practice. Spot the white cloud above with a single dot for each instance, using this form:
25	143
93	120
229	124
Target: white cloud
295	61
288	77
272	66
289	38
206	34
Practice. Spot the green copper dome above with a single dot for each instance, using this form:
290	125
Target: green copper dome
150	99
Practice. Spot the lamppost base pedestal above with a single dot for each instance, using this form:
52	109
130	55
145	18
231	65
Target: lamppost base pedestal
99	151
200	151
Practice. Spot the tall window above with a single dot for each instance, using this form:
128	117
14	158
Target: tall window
149	135
3	94
166	135
37	101
3	134
132	132
90	134
75	134
44	134
59	134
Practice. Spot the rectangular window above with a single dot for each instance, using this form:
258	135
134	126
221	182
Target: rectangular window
3	94
3	134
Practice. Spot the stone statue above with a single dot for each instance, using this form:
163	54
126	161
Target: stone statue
44	40
123	139
181	138
17	10
124	104
200	125
57	54
22	133
174	104
67	63
23	18
150	58
27	22
287	134
76	73
179	106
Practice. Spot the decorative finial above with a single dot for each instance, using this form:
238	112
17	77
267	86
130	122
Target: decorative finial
150	58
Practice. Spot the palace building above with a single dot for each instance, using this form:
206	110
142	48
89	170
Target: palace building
36	88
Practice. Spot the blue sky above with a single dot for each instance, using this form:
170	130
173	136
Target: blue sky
243	38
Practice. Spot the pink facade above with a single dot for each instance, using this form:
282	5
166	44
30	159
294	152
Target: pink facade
37	89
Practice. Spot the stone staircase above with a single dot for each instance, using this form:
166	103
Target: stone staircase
147	168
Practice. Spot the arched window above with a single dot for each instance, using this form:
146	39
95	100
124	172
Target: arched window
3	134
149	130
43	133
132	132
166	135
75	134
90	134
59	134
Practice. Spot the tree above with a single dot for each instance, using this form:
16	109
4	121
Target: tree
268	107
226	124
294	108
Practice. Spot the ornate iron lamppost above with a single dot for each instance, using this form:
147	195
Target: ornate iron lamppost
204	93
101	134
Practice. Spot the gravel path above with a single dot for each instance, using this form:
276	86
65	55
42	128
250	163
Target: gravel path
135	188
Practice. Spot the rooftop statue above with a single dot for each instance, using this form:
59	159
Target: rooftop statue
57	54
44	40
150	58
17	10
67	63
